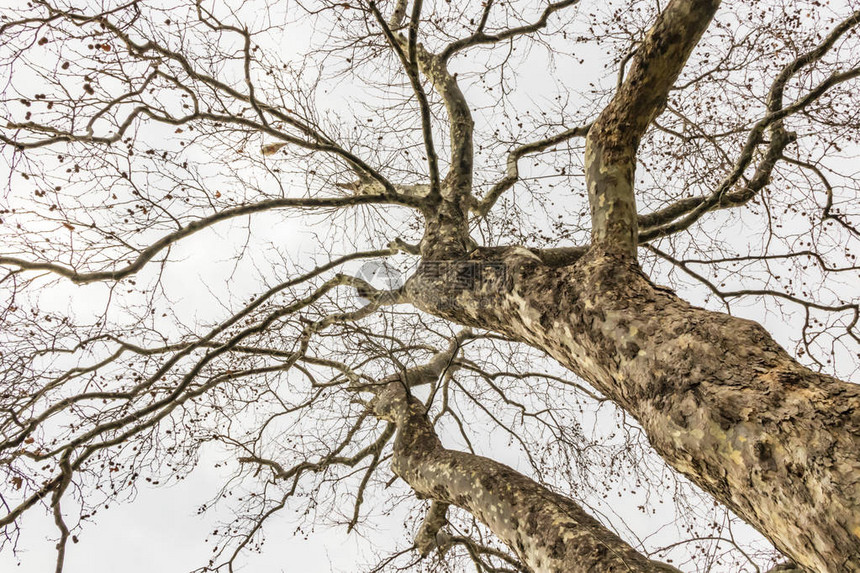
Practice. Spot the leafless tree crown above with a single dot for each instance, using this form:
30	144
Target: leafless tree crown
326	245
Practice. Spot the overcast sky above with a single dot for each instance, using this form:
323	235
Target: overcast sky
161	530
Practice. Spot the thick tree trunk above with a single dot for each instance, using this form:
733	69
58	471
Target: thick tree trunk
549	532
719	400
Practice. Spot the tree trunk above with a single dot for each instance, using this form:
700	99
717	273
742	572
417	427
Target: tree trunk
719	400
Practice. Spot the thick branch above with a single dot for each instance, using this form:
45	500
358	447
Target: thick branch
549	532
430	535
461	124
611	145
446	231
719	400
446	204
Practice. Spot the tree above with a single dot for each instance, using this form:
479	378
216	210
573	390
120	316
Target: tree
712	151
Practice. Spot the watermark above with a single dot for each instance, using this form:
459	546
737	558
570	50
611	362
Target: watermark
466	276
381	275
443	280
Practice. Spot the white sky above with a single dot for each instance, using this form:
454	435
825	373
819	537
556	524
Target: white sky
161	531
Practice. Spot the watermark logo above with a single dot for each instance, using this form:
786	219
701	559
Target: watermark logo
380	275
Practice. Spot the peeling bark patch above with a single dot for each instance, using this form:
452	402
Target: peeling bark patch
788	378
557	549
727	416
764	452
630	350
521	548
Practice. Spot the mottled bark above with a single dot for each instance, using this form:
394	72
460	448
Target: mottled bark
431	535
549	532
718	398
446	205
610	148
446	229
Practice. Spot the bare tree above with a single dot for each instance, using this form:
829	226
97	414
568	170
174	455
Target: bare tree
209	205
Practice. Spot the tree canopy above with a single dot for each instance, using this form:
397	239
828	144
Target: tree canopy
418	261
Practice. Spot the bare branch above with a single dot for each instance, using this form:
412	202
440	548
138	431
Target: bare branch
147	254
512	505
512	173
480	37
410	65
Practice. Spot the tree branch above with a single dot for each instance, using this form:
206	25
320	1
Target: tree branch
512	173
480	37
612	142
668	220
547	531
147	254
430	534
410	65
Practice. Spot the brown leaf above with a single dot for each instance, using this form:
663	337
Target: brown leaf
17	482
272	148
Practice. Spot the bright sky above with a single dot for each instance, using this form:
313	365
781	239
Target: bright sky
160	529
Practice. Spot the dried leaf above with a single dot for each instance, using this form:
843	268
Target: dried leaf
272	148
